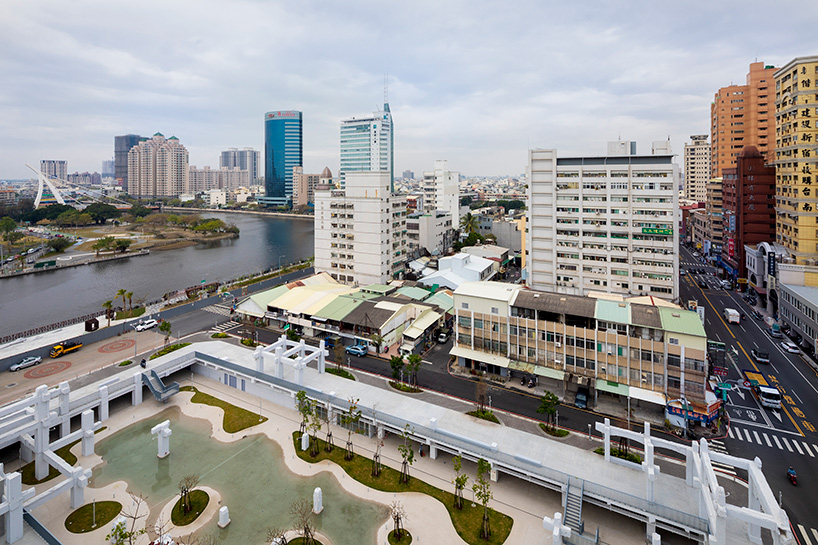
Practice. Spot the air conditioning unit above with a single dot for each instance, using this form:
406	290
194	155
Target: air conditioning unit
602	369
558	344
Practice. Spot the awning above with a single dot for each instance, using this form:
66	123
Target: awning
549	373
760	291
648	395
612	387
491	359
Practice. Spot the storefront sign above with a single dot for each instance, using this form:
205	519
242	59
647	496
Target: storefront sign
771	264
655	231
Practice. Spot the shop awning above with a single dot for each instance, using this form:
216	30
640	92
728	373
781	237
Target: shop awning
648	395
760	291
539	370
491	359
612	387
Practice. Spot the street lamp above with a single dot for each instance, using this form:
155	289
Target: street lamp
134	340
279	265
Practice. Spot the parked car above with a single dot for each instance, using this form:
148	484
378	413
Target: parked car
682	272
581	400
775	334
702	285
147	324
757	315
790	347
760	356
356	350
28	362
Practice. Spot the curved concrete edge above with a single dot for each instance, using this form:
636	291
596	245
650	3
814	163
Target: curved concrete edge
177	532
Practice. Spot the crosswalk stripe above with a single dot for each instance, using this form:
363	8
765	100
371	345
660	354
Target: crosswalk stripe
776	442
806	536
809	451
787	444
797	447
815	534
758	439
730	432
749	438
768	440
738	435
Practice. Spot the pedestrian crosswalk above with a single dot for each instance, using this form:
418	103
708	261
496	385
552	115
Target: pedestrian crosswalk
810	535
226	326
218	309
782	443
718	446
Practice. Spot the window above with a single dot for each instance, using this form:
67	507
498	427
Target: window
464	306
495	310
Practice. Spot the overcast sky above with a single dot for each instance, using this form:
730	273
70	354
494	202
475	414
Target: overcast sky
475	82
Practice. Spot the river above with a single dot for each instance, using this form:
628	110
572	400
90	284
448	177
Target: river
35	300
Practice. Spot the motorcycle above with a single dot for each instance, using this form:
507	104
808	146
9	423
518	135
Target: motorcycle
522	381
531	383
792	476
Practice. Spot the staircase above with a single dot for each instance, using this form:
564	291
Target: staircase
572	515
157	387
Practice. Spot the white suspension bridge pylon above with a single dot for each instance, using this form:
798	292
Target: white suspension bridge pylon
49	193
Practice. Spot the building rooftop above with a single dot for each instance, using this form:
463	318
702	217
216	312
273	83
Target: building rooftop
681	321
498	291
558	303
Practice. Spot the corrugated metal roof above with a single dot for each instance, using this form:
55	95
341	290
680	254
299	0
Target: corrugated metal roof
341	306
681	321
382	289
556	302
263	299
613	311
646	316
498	291
421	324
442	300
310	299
415	293
367	315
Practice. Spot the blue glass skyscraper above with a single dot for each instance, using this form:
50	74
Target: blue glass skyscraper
283	150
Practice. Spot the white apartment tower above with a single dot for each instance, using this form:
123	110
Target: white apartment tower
697	167
360	231
158	167
54	169
441	191
367	145
604	223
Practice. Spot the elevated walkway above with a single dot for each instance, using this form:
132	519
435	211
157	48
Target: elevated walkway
158	388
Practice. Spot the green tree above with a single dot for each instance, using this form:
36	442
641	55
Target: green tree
305	407
69	217
122	244
165	328
107	305
121	294
548	406
468	223
466	201
101	212
413	366
482	490
103	243
59	245
129	296
460	480
84	219
407	453
396	363
377	340
122	533
7	225
349	420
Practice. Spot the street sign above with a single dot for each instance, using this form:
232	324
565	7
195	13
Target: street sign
746	383
742	280
720	371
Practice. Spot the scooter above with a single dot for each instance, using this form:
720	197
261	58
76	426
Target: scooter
531	383
792	476
522	381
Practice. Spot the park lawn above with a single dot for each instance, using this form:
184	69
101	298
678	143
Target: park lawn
82	520
343	373
168	349
467	522
235	418
198	501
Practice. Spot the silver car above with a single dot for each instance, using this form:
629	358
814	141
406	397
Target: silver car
28	362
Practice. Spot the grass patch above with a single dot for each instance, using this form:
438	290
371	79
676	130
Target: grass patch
219	336
404	387
284	271
198	501
27	471
169	349
406	538
235	418
629	456
133	313
82	520
340	373
125	363
555	432
484	415
249	342
467	522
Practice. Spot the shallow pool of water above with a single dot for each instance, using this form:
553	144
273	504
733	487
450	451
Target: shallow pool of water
250	475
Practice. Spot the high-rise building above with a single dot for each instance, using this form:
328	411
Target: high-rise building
304	185
54	169
245	159
367	144
283	150
158	167
122	145
715	229
201	180
697	167
441	191
749	209
108	169
796	150
742	115
408	175
360	231
604	223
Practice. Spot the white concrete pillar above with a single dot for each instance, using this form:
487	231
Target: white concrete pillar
655	539
87	432
556	529
322	364
607	434
691	471
317	501
258	356
299	373
432	451
753	502
136	394
651	526
224	517
305	441
65	424
40	446
80	481
163	433
721	516
103	403
279	363
13	494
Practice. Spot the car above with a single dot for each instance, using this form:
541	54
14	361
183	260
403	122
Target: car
757	315
682	272
702	285
147	324
581	400
790	347
760	356
356	350
28	362
775	334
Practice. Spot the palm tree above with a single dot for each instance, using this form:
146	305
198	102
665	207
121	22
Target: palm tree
468	223
129	295
107	306
121	293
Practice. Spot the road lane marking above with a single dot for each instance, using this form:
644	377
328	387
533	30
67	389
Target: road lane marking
758	439
730	432
749	437
768	440
738	434
775	438
806	536
796	395
797	447
815	534
787	444
809	451
793	421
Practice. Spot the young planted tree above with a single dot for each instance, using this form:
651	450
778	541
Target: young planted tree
127	532
327	420
314	425
276	535
398	513
482	490
548	406
186	486
302	515
304	406
413	366
165	328
338	355
481	395
349	420
396	363
407	453
459	482
377	340
122	244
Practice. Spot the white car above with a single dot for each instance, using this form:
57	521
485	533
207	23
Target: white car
147	324
28	362
790	347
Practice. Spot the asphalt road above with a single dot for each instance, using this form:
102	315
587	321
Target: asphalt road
779	438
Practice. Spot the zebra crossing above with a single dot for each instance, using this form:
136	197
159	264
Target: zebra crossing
222	310
810	535
226	326
718	446
782	443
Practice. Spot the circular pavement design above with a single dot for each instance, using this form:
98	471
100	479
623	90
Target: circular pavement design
47	369
117	346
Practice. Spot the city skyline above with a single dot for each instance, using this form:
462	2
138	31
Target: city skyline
466	83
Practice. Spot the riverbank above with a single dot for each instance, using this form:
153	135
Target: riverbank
67	265
310	217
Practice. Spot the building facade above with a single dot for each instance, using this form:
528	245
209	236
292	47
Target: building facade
123	145
441	191
713	207
432	232
283	150
108	169
367	145
54	169
605	223
243	159
158	167
304	185
743	115
620	348
360	231
696	167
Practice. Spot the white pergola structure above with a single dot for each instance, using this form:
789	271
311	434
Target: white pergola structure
295	353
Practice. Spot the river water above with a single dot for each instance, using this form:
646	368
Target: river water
35	300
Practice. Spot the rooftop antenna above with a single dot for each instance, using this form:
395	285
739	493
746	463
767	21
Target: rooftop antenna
385	88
